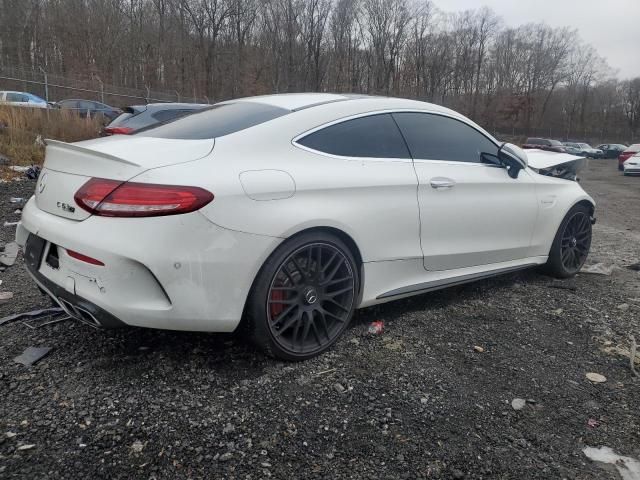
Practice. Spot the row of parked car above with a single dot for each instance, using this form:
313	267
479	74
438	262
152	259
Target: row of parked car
623	153
117	120
128	120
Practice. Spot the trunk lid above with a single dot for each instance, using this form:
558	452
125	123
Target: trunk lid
68	166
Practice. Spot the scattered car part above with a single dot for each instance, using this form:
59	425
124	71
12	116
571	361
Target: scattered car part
31	355
33	315
9	253
5	297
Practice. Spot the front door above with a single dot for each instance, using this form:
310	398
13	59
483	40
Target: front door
471	212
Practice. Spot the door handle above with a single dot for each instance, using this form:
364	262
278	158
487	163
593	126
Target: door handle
442	183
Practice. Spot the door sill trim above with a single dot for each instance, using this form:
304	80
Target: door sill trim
450	282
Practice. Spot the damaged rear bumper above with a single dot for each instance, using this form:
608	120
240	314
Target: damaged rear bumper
75	306
179	272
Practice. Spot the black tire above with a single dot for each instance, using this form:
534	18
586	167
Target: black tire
304	296
571	244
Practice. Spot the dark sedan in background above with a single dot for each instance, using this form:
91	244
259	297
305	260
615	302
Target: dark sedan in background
545	144
136	117
611	150
89	108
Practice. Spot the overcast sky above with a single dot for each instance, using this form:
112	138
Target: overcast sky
611	26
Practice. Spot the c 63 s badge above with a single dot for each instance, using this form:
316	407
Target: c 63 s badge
66	207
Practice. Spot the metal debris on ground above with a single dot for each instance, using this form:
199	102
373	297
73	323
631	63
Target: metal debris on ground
16	200
33	172
32	355
5	297
478	349
10	224
376	328
518	403
596	377
46	313
599	269
9	254
26	447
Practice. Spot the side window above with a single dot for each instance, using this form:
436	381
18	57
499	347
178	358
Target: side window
375	136
165	115
16	97
85	105
68	103
435	137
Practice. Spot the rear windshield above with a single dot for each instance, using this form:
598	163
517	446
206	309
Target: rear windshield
216	121
120	119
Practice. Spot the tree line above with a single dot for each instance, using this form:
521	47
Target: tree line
514	80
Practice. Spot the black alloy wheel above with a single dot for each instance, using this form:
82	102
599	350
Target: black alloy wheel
304	297
576	241
571	244
310	298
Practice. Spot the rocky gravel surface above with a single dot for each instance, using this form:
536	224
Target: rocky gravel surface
486	380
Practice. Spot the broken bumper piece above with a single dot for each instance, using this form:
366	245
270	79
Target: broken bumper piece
74	305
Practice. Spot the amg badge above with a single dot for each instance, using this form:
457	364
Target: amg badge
66	207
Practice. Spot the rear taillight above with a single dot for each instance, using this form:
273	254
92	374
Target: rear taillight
118	130
111	198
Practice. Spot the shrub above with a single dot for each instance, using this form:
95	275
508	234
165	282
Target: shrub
22	131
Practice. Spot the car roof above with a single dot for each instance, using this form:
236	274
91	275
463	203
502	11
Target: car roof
299	101
166	106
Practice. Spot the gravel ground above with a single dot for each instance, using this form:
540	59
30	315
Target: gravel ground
418	401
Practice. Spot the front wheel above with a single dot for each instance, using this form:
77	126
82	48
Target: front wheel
571	244
304	297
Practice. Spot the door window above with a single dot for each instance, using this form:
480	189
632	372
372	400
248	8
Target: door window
16	97
374	136
436	137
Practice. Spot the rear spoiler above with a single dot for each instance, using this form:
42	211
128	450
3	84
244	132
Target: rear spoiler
94	153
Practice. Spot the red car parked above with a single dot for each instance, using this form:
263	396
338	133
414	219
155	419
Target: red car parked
545	144
629	152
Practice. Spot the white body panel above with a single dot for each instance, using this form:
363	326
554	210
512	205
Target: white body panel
194	271
632	165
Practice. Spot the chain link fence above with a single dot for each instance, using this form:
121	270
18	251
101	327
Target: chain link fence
605	133
53	88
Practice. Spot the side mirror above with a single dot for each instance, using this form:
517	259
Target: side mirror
514	158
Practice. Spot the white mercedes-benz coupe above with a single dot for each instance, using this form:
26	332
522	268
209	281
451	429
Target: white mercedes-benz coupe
284	213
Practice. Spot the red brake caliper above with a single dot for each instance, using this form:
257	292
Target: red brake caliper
276	308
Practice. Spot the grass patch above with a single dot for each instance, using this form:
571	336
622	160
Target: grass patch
22	131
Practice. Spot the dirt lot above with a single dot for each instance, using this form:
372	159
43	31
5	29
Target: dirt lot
415	402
